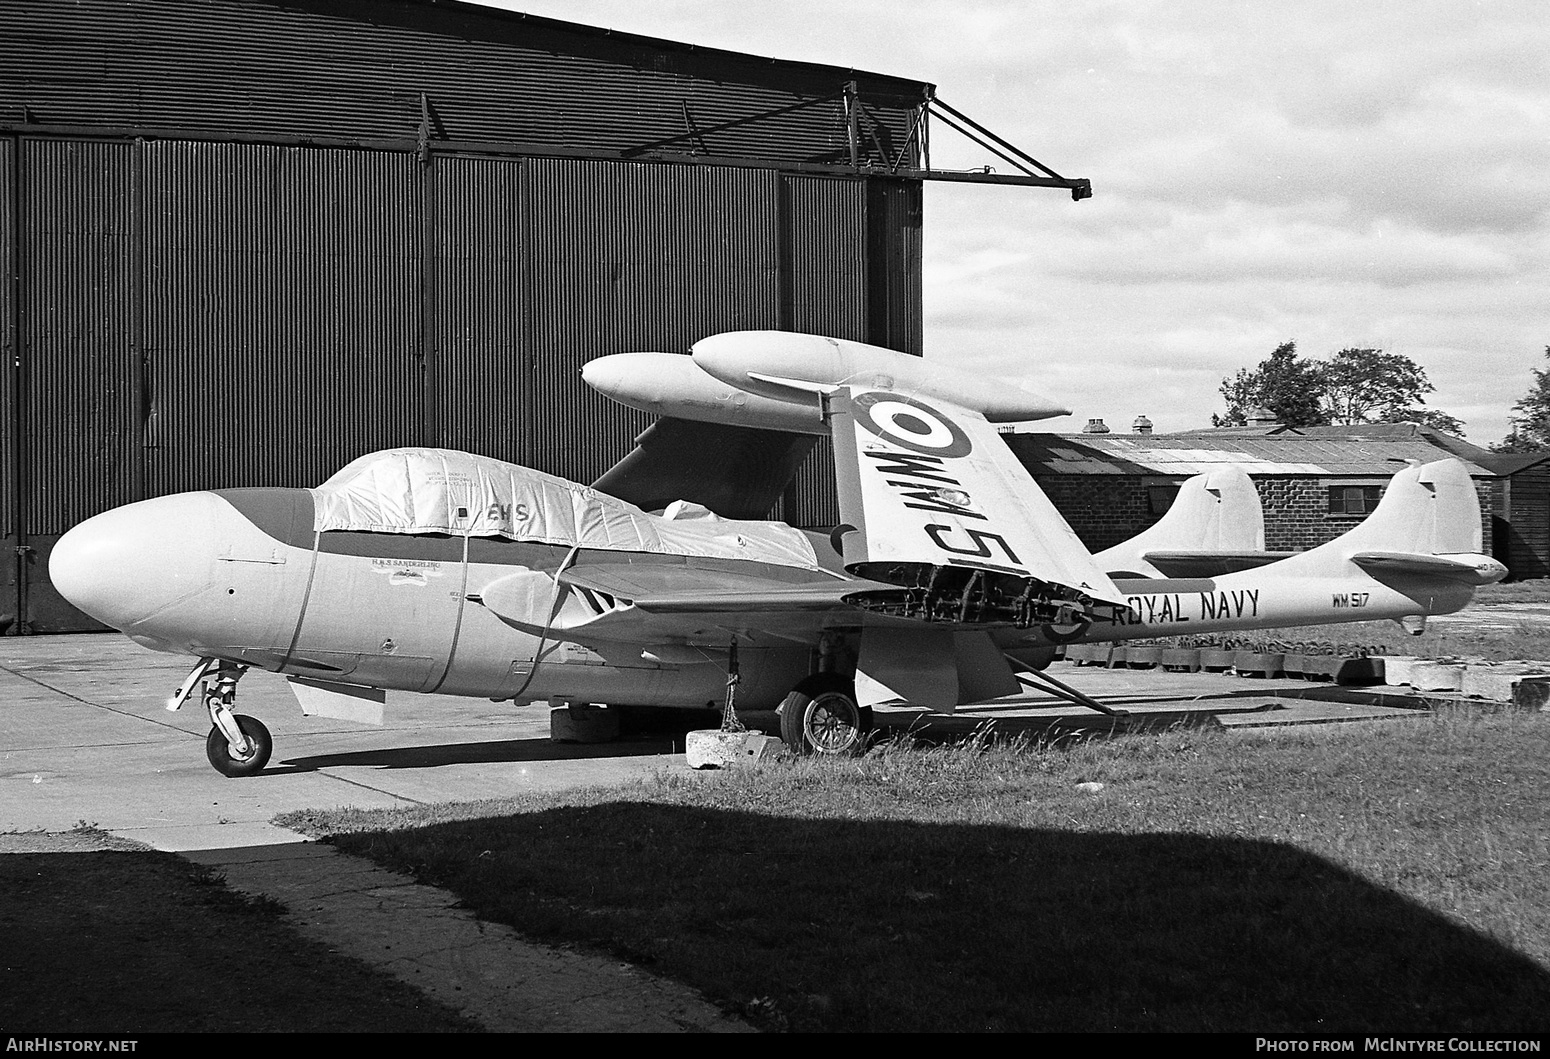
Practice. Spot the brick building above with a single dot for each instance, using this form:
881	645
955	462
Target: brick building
1315	482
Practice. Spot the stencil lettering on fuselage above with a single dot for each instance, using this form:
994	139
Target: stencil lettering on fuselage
1173	608
412	572
498	512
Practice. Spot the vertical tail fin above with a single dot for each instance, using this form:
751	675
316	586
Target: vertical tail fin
1427	525
1215	516
1430	509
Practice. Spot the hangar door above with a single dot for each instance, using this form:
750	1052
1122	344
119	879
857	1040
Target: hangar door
188	315
72	450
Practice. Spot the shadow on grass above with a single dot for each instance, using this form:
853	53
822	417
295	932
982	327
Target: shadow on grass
144	942
886	925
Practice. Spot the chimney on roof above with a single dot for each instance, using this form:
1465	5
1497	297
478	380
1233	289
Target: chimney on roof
1142	425
1260	417
1095	426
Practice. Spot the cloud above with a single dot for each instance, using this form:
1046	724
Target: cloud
1343	174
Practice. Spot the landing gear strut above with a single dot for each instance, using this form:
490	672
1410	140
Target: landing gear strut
821	716
238	745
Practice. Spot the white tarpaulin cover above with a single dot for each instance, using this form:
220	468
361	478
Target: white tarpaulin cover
458	493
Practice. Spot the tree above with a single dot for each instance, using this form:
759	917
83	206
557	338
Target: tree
1436	420
1284	384
1531	423
1353	386
1371	386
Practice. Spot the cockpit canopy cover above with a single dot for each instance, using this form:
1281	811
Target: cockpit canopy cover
416	490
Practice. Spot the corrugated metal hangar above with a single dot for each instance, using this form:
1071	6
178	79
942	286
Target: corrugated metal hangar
250	240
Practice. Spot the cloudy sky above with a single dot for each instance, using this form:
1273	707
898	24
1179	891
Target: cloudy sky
1370	174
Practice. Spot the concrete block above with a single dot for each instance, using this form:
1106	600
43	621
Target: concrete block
1258	663
1360	671
1496	683
712	749
1181	659
1143	657
1086	654
583	723
1532	693
1428	675
1396	669
1216	659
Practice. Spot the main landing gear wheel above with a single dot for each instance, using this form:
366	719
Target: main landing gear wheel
821	717
260	746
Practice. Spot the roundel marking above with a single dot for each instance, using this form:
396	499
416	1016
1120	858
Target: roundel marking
911	425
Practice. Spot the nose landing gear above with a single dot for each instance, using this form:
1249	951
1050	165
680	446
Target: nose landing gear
253	738
238	745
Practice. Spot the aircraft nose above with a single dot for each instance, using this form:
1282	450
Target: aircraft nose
126	565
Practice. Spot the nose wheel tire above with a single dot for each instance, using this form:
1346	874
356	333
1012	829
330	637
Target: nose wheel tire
260	744
824	721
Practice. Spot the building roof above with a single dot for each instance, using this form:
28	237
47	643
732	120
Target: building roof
1375	451
430	75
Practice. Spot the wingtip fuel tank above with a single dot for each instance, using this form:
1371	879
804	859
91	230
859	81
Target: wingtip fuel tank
772	380
754	360
671	384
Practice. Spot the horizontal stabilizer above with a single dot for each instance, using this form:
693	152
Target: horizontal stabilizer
1465	568
1209	563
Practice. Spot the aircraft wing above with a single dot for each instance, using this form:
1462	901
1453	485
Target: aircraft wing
926	486
653	604
676	590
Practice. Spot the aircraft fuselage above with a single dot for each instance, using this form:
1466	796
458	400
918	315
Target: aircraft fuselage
242	575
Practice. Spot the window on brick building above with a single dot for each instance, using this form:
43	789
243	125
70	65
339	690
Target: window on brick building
1159	498
1354	499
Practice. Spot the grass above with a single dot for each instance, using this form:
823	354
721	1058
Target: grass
1536	591
1351	878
